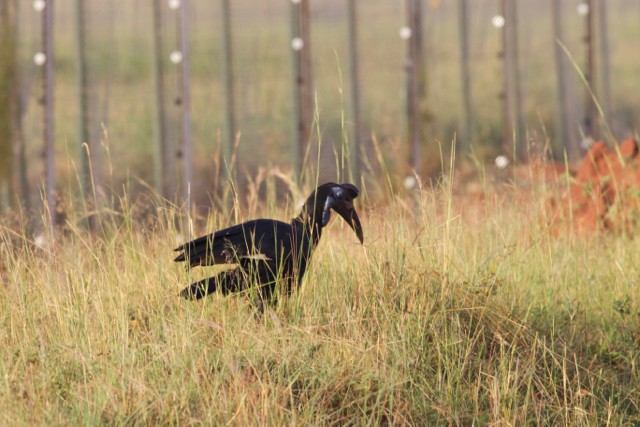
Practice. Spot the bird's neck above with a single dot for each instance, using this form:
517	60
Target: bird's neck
309	227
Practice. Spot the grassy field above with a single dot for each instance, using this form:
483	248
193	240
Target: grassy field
460	308
457	310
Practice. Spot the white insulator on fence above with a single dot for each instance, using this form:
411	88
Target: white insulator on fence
410	182
502	162
583	9
498	21
40	241
39	5
39	59
586	143
405	33
297	43
176	57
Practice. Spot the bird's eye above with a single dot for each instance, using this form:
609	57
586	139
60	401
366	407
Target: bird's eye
338	193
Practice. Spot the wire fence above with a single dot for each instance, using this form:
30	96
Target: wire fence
186	94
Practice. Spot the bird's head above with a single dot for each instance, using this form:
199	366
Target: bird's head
338	197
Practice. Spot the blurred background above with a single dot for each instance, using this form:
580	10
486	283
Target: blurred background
149	94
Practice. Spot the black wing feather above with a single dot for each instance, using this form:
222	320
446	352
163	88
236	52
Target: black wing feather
235	242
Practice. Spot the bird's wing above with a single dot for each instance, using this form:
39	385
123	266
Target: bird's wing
214	248
252	240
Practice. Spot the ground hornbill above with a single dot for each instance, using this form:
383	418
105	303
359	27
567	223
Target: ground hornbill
266	251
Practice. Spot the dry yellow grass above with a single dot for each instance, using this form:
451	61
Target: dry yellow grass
453	312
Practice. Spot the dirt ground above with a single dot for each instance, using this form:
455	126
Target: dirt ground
604	193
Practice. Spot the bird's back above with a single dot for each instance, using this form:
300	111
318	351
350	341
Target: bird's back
260	238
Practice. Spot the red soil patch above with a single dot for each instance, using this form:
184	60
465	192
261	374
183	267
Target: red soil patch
604	194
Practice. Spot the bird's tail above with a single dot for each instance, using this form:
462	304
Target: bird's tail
227	282
199	289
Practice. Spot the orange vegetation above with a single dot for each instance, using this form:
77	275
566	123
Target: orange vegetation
604	193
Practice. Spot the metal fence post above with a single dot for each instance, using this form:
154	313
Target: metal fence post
415	82
590	107
465	74
48	81
160	146
302	93
356	130
187	153
229	93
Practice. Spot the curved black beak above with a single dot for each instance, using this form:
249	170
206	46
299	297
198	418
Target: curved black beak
347	211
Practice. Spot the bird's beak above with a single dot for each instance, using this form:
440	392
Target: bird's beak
347	211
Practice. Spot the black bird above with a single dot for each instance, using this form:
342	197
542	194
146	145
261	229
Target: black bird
266	251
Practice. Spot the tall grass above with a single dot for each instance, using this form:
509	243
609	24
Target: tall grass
457	310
